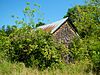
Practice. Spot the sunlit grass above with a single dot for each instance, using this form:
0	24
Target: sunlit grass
79	68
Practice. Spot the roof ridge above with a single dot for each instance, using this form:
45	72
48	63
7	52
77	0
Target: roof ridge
59	25
56	25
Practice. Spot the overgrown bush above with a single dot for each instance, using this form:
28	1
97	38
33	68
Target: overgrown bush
32	47
87	48
86	18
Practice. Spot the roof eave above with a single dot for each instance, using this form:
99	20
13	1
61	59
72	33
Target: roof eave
56	28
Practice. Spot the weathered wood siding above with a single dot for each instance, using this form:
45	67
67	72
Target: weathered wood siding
65	33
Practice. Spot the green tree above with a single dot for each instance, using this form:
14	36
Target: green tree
29	18
40	24
87	20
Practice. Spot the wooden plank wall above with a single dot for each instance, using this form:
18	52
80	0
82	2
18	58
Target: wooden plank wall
65	34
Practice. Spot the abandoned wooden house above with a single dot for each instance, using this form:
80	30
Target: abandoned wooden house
63	30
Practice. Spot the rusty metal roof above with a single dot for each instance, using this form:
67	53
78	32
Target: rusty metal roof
53	26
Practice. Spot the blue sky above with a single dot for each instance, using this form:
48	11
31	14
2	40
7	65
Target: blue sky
53	9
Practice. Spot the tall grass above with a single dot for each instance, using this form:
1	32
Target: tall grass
79	68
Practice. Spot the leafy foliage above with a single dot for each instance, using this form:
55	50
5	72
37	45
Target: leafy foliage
40	24
26	44
86	19
30	18
32	47
37	48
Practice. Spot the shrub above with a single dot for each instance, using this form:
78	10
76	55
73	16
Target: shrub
87	48
33	47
